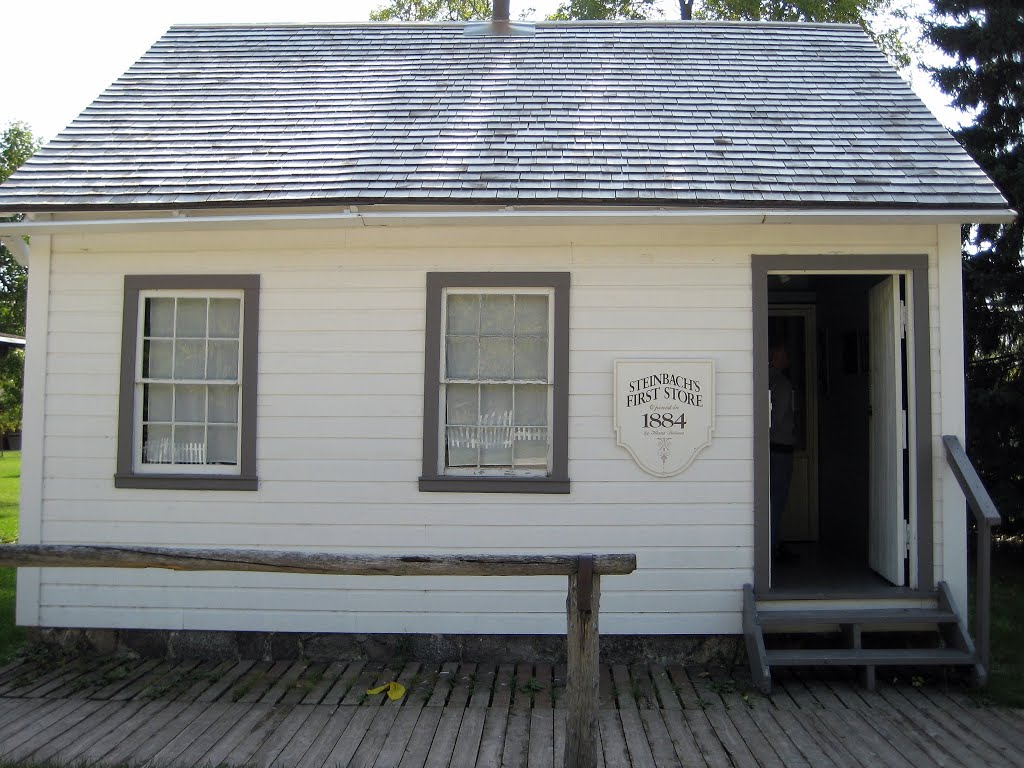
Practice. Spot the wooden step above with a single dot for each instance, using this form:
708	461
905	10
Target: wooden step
862	616
861	657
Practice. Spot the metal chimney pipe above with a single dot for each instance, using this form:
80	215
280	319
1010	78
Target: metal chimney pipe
499	10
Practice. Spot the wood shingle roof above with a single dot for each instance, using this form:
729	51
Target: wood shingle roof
687	114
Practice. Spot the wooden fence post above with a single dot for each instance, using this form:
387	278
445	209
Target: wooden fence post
582	678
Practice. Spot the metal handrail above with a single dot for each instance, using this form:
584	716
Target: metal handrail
987	517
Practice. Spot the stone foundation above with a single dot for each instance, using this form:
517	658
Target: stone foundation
277	646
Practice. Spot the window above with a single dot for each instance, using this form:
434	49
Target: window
496	383
188	382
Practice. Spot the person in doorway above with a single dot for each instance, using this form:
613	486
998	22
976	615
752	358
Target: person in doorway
781	437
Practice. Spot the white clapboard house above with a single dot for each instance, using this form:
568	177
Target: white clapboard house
434	288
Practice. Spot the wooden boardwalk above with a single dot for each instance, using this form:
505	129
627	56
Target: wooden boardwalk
294	714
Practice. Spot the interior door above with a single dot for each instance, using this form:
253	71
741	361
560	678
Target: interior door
887	545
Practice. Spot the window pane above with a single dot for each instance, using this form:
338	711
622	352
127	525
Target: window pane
223	405
156	444
223	445
159	402
531	446
463	315
496	446
191	320
189	445
225	317
495	358
531	359
159	319
495	404
462	446
497	315
462	357
222	360
190	403
531	315
189	359
531	405
461	401
156	359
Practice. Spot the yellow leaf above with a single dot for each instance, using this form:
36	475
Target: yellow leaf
395	690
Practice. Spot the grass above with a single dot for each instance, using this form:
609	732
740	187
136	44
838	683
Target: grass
11	637
1006	676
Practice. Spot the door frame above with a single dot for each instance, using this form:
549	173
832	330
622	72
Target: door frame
915	267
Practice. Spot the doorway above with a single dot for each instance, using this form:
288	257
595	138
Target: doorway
855	512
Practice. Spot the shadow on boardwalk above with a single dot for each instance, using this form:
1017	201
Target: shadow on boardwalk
294	714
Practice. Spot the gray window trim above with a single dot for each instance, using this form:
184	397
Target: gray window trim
558	480
126	476
917	267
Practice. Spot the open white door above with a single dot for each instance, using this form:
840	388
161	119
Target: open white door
887	544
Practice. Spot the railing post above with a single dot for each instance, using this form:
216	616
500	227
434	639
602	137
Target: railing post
983	597
581	607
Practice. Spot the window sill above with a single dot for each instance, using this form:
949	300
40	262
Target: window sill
188	482
494	484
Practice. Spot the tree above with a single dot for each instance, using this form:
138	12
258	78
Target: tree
433	10
986	79
605	10
16	146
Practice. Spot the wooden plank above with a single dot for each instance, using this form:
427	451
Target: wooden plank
443	683
461	685
623	687
636	738
37	677
792	726
328	677
49	720
26	711
559	680
226	683
55	730
189	735
221	750
492	740
70	673
662	749
827	741
252	741
276	742
398	738
542	692
980	748
292	752
664	689
765	752
286	561
85	685
343	684
370	746
68	746
287	679
125	731
307	680
366	679
421	738
605	689
149	735
447	733
561	720
352	736
162	678
861	739
1006	741
643	687
900	733
517	739
250	687
133	673
467	743
683	740
615	751
504	682
685	691
541	750
483	685
423	685
406	679
521	696
325	741
730	738
201	678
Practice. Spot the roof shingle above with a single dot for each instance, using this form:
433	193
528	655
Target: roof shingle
680	114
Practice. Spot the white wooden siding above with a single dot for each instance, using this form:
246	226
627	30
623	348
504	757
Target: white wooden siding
339	421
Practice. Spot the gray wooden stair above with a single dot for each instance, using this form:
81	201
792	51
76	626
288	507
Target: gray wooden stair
948	643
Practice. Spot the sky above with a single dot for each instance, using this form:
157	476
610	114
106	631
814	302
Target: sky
60	54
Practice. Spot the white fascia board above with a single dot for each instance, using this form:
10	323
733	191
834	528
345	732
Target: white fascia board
395	216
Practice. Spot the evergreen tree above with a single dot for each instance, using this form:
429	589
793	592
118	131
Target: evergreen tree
986	79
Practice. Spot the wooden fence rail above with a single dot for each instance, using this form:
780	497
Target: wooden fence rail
582	603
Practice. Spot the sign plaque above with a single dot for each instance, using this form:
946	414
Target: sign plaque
664	411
